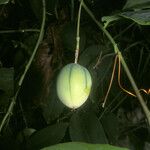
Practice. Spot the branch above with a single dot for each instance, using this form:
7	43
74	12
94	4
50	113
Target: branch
13	102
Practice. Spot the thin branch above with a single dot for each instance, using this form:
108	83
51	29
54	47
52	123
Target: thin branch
9	111
72	10
19	31
13	102
111	81
36	46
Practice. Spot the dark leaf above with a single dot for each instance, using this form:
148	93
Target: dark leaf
37	8
100	75
89	54
111	127
47	136
141	17
86	127
53	107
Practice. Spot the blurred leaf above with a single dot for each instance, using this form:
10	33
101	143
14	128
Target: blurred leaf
68	36
137	4
101	65
111	127
147	146
47	136
37	7
52	109
100	75
25	134
85	127
141	17
89	54
4	2
93	56
83	146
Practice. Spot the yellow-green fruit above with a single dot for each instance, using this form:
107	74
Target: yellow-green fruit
74	85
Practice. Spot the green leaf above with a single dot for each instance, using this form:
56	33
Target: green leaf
85	127
137	4
47	136
141	17
108	19
83	146
4	2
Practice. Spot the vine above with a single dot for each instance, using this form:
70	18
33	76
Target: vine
121	58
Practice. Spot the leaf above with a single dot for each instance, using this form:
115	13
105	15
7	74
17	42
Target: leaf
89	54
137	4
4	2
85	127
53	107
141	17
111	127
101	76
37	8
147	146
47	136
108	19
83	146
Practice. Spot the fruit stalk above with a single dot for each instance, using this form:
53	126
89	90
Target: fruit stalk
78	34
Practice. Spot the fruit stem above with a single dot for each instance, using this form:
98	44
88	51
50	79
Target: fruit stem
117	51
78	34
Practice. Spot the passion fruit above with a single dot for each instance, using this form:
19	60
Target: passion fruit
73	85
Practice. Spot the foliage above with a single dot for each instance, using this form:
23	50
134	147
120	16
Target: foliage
82	146
36	106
